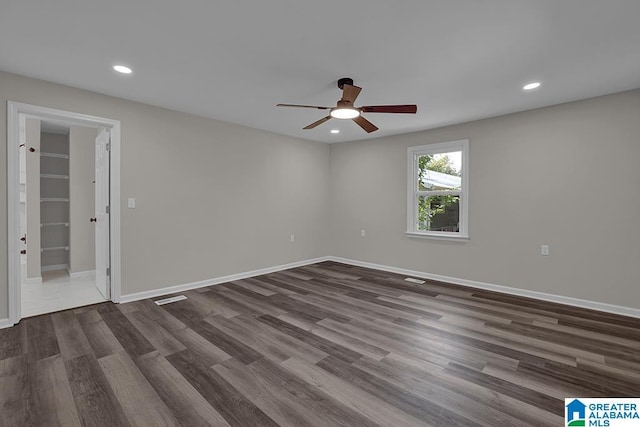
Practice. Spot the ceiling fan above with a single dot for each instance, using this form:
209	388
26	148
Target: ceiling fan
345	109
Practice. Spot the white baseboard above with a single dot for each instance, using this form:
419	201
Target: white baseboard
78	274
5	323
54	267
32	280
576	302
216	281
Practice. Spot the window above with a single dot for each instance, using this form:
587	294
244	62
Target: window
437	190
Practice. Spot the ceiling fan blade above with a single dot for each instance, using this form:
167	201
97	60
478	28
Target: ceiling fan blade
350	93
303	106
407	109
318	123
365	124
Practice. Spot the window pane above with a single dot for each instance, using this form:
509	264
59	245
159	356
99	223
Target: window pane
441	171
439	213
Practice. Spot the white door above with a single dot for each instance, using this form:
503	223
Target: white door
23	198
101	219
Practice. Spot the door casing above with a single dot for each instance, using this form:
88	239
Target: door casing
16	110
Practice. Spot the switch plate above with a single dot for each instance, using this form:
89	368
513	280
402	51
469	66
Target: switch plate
362	233
131	203
544	250
293	238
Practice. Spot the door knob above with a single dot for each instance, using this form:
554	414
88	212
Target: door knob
23	252
24	238
93	220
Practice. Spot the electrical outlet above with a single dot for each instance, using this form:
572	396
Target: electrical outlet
293	238
362	233
544	250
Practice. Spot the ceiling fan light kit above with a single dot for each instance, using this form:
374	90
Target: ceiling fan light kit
345	109
344	113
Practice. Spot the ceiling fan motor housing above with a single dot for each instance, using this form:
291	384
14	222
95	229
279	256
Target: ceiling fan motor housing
345	81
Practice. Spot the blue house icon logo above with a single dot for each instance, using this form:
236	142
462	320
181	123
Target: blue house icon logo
576	413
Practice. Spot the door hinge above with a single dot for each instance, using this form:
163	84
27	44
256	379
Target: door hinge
107	209
108	146
108	271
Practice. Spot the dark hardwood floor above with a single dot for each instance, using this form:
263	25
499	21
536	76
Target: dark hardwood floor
326	344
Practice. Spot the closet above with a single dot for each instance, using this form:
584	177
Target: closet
54	201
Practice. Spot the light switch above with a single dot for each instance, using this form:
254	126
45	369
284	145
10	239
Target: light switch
131	203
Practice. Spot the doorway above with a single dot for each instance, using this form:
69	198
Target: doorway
64	222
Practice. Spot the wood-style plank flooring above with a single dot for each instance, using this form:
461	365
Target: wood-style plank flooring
326	344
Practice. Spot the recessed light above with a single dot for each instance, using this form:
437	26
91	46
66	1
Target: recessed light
531	86
122	69
335	131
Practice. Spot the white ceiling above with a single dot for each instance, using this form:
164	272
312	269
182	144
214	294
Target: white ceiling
459	60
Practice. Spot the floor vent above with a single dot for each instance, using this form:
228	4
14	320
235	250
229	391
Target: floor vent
412	280
170	300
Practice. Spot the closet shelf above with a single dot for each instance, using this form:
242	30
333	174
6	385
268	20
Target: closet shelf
55	248
54	201
58	155
53	176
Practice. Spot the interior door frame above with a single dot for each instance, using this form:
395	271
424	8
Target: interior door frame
15	110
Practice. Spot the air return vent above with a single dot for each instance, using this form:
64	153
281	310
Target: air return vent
412	280
170	300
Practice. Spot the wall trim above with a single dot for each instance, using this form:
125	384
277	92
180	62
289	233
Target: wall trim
576	302
54	267
5	323
33	280
560	299
216	281
81	274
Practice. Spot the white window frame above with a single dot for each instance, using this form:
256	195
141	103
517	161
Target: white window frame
413	192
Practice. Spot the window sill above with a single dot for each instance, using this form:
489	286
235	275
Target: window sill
416	235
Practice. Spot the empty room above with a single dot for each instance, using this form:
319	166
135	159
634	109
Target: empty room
363	213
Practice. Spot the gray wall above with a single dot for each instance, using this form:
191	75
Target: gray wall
82	238
213	198
566	176
32	137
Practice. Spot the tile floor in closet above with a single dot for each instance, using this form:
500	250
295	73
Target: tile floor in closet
57	292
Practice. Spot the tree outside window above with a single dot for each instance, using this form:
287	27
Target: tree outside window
439	212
